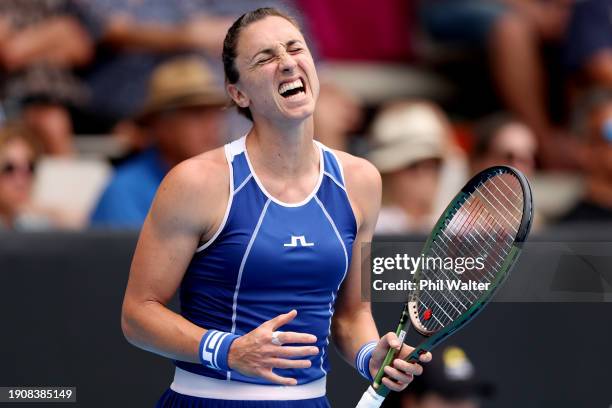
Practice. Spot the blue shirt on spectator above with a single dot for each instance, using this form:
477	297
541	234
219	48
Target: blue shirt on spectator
128	197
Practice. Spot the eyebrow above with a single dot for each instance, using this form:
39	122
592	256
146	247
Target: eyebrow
270	51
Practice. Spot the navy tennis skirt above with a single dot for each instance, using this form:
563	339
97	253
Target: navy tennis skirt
172	399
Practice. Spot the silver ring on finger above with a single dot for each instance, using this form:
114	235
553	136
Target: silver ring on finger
275	340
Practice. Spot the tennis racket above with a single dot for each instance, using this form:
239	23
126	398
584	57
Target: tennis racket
490	219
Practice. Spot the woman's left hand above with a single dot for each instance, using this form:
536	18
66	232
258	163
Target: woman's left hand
399	373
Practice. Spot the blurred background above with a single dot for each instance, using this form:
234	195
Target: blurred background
100	98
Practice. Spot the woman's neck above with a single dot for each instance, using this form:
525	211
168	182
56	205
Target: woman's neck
288	150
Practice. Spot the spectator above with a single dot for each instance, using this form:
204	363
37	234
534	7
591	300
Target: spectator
596	205
41	42
449	381
134	37
589	49
504	140
511	31
410	142
182	115
19	153
589	43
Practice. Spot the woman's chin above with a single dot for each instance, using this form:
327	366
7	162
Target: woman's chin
299	114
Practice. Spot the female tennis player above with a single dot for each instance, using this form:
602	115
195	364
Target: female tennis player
262	237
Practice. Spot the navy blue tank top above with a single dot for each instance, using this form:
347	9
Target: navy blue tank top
269	257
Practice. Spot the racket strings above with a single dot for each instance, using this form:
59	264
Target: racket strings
484	226
471	238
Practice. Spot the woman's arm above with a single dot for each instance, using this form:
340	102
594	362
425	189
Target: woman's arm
353	324
181	214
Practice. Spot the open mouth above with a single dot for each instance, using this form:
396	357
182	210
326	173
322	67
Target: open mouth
288	89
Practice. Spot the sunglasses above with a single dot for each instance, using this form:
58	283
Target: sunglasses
10	168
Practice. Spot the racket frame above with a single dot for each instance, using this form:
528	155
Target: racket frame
410	311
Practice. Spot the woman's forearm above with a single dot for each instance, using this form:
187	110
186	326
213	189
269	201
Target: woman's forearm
351	331
153	327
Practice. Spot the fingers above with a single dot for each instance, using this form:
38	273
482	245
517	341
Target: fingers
406	350
402	372
271	376
408	368
386	342
391	340
398	375
260	351
285	363
392	385
293	337
288	351
425	357
280	320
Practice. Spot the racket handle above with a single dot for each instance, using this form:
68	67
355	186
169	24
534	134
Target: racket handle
381	371
370	399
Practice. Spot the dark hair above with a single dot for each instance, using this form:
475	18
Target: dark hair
486	130
231	42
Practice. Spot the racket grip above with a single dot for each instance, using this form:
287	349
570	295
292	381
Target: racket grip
370	399
381	373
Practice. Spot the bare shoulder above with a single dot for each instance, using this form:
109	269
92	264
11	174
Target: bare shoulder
206	173
360	175
195	192
363	185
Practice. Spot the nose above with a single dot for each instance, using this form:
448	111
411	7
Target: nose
287	62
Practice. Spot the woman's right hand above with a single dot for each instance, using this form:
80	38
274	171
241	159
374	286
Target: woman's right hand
255	355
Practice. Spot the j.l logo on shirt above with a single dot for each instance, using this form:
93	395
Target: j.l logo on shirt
297	241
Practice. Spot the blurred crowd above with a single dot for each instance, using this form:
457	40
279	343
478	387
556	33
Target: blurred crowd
100	98
450	380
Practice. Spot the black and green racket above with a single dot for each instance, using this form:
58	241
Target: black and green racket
490	219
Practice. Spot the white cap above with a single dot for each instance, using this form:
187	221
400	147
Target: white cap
406	133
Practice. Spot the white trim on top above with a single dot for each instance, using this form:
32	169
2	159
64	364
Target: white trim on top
333	179
246	180
229	157
340	167
343	187
346	266
313	193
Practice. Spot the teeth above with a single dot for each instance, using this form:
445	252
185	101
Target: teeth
290	85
